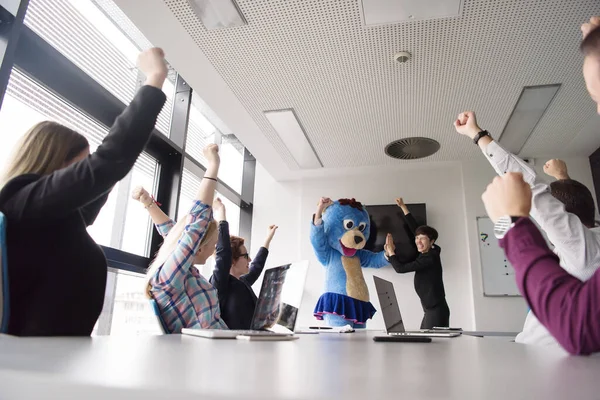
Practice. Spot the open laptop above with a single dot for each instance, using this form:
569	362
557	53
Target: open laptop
391	313
277	306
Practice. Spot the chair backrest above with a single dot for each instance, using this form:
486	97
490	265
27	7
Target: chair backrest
156	310
4	298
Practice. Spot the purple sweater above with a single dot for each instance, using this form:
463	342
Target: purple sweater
567	307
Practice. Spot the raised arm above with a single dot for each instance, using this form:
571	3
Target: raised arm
178	262
563	229
258	263
71	188
223	257
501	160
368	259
410	220
161	221
557	169
318	239
420	263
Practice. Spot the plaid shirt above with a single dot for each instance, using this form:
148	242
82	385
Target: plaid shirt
185	298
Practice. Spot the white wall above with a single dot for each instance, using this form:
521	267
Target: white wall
452	192
491	313
276	203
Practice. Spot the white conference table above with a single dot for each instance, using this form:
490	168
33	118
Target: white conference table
323	366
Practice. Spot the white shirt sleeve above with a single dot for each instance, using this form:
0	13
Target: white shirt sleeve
575	244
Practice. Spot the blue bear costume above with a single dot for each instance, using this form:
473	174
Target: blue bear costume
338	243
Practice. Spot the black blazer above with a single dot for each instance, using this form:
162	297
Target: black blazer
236	297
427	267
57	273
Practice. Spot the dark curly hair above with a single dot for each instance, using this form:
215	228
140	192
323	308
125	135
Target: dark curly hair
236	246
352	203
577	199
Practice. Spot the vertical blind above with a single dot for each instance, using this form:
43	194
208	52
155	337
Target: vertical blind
88	37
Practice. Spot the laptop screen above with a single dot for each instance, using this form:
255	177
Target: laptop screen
389	305
280	297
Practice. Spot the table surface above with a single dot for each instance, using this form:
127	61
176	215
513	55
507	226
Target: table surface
490	333
323	366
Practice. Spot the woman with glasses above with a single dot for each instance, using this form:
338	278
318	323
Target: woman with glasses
235	272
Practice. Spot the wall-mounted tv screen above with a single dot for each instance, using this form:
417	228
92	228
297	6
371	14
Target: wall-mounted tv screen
389	219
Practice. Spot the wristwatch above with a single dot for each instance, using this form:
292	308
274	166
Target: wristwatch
480	135
503	225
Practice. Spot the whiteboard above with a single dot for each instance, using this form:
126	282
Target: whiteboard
497	273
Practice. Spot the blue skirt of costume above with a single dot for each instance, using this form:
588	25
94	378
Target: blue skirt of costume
354	310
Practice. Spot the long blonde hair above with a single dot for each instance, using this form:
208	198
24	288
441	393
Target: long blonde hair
170	243
45	148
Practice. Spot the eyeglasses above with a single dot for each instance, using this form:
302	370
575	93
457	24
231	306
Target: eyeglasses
245	255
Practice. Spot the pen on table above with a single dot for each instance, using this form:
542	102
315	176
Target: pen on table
320	327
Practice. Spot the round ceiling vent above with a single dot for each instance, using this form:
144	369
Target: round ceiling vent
412	148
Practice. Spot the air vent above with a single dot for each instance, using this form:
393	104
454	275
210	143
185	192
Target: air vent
412	148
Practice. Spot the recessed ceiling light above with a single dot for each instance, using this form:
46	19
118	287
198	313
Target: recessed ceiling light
216	14
529	110
294	137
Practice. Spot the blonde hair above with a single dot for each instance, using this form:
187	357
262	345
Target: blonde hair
170	244
45	148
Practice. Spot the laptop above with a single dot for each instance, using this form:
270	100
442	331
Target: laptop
392	317
277	306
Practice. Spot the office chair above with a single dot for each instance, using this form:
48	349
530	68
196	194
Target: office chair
163	326
4	298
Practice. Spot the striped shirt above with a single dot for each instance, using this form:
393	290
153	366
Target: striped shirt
185	298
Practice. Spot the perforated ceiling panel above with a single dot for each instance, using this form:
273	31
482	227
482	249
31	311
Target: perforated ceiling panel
316	57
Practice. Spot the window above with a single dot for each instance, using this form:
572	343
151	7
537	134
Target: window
126	309
189	186
84	34
124	223
232	162
233	214
190	183
200	133
138	225
27	103
99	39
16	117
132	313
